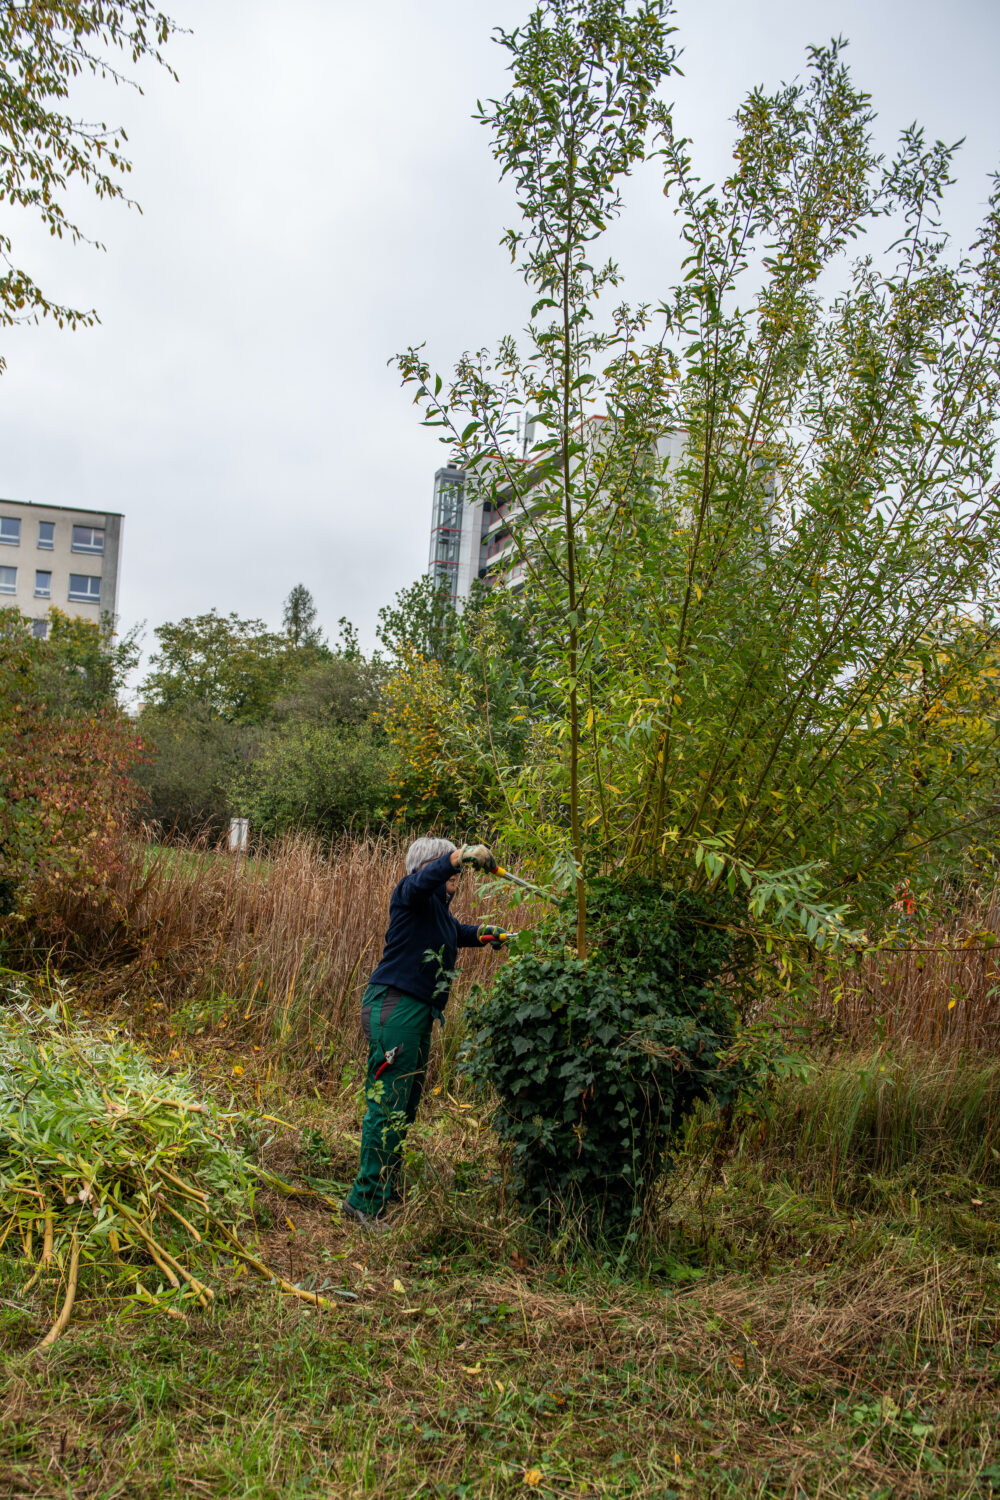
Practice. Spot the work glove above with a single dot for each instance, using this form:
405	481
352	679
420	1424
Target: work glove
478	855
494	937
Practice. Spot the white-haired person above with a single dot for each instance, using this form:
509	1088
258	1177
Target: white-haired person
405	993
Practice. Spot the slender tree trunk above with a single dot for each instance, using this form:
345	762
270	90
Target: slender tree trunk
571	579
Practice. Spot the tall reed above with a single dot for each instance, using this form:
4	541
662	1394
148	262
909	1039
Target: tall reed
283	944
935	985
882	1113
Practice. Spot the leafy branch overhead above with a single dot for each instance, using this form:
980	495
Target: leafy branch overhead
47	46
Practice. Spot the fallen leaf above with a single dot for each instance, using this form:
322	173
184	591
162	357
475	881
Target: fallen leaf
533	1478
398	1287
475	1369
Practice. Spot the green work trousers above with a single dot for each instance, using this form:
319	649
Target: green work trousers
389	1020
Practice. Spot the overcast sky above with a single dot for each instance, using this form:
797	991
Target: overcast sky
315	197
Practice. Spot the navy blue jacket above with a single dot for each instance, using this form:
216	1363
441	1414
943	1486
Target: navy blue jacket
421	924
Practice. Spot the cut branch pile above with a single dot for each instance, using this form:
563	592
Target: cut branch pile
110	1167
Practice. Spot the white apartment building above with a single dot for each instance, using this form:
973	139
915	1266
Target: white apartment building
472	538
56	555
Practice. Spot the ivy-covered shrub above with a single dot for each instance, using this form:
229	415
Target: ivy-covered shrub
598	1063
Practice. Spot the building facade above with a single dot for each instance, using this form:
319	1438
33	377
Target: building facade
472	538
54	555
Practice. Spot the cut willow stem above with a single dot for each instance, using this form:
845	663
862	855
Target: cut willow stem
195	1194
146	1296
168	1264
262	1270
30	1283
161	1202
59	1326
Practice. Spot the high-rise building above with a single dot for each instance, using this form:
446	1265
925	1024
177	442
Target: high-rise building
472	538
57	555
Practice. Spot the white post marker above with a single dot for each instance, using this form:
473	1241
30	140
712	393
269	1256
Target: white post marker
239	833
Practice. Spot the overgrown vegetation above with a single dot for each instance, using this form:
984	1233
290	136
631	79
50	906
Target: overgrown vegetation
274	950
758	521
749	689
597	1066
767	1337
67	795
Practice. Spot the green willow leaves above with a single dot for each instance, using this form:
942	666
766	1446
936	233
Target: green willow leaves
759	524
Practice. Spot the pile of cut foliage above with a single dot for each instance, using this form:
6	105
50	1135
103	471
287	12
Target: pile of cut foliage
109	1165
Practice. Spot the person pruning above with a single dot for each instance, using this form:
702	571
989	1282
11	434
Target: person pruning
406	993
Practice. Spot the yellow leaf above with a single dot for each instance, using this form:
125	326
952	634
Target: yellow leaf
533	1478
289	1223
238	1071
398	1287
952	1004
476	1369
678	699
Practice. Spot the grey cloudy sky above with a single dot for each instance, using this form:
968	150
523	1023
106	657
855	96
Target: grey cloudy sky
316	197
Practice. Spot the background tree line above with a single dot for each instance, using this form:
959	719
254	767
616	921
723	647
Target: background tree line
294	732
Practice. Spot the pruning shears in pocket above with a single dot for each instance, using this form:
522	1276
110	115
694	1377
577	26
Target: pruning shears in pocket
389	1059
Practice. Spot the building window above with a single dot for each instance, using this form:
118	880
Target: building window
46	535
88	539
447	546
43	584
10	531
8	580
448	497
84	590
40	629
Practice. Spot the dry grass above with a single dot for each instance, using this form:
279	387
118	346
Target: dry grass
937	986
280	947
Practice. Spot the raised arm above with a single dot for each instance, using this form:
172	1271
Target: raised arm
430	877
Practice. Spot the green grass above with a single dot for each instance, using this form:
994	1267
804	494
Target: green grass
183	859
770	1337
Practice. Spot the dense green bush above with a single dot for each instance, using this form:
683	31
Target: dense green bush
193	758
320	778
598	1063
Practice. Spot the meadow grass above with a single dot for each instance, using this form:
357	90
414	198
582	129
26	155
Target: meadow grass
766	1336
812	1307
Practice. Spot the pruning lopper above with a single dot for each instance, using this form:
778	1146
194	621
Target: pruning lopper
494	939
526	885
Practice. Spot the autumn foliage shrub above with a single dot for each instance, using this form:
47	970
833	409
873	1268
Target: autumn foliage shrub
67	795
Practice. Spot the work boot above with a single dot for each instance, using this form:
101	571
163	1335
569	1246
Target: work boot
367	1221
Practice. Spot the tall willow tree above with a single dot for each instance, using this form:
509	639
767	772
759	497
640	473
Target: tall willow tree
760	524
